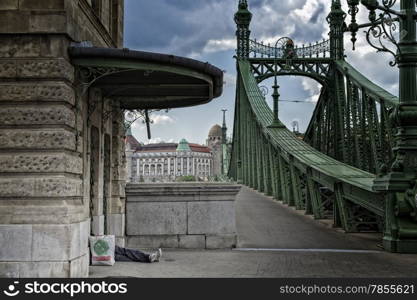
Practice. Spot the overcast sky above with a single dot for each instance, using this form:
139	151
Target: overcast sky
205	30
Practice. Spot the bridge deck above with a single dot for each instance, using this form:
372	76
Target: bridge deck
264	223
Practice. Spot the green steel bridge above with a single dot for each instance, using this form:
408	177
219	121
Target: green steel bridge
357	163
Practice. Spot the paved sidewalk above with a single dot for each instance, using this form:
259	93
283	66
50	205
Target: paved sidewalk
276	241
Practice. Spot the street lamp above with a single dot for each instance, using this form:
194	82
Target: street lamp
382	26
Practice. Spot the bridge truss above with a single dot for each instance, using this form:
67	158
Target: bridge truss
340	169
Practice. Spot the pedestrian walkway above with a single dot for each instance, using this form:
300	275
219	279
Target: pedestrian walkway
276	241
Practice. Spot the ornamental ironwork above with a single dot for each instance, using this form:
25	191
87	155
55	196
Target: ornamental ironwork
382	29
285	45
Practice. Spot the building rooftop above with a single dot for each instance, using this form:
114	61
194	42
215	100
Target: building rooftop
171	147
131	140
183	146
216	130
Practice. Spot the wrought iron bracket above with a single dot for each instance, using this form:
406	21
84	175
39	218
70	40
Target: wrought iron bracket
382	27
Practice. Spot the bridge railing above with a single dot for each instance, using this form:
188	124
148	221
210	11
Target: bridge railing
353	123
317	49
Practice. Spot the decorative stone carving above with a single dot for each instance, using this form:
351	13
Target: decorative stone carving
37	92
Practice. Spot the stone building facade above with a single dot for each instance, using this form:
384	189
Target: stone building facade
166	162
57	151
65	83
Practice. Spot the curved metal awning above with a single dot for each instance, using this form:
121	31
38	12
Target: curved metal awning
144	80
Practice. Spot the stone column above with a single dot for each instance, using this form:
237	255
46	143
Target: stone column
169	166
138	168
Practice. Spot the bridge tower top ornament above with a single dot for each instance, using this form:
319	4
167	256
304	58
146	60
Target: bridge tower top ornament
243	18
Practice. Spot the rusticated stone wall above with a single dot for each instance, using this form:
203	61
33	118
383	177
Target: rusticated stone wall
46	210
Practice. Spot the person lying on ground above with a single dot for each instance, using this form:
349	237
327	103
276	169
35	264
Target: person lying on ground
125	254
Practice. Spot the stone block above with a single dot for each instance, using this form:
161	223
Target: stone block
48	23
45	68
37	139
97	225
192	241
156	218
154	241
75	239
84	235
15	242
53	242
9	269
43	4
45	92
221	241
48	269
121	241
79	233
9	4
37	115
54	186
14	21
78	268
8	69
211	217
25	46
116	224
41	163
170	192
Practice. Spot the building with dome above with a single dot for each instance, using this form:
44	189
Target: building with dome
167	162
217	142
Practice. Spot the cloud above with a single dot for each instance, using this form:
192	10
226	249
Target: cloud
229	79
138	124
219	45
158	140
162	120
313	89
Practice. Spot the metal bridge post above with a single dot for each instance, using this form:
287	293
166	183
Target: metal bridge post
336	19
243	18
399	184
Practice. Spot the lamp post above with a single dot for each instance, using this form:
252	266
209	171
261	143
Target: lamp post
400	233
276	123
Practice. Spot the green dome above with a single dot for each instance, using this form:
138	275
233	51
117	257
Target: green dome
183	146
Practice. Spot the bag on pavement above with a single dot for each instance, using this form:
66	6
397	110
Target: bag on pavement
102	250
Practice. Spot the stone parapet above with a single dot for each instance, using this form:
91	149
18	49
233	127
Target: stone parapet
181	215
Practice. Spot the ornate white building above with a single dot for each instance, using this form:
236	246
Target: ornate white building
166	162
